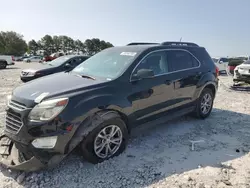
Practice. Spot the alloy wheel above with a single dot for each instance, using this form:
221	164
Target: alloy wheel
108	141
206	103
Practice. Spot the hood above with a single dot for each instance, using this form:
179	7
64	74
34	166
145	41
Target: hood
53	85
40	68
244	66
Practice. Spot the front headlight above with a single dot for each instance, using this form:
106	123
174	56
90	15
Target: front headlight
47	110
31	73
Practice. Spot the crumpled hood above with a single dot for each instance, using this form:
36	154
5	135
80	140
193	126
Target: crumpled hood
55	84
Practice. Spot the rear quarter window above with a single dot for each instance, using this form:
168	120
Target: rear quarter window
202	55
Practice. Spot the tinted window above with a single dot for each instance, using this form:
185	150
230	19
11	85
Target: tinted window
156	61
224	60
180	60
58	61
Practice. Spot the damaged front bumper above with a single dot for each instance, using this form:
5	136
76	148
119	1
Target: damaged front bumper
11	157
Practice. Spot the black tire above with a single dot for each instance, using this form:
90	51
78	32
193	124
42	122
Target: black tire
3	64
87	145
198	113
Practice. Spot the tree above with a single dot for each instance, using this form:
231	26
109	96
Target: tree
79	46
12	43
95	45
33	47
47	44
57	43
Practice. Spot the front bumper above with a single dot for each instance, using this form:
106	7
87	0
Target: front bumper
240	78
13	158
26	79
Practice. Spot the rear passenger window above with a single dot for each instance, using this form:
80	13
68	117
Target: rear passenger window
180	60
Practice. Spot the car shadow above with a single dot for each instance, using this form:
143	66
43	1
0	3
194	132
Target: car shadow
157	152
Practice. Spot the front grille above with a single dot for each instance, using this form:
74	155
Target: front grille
17	105
13	122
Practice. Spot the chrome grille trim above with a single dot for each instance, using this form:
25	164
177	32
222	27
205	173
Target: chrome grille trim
17	106
13	123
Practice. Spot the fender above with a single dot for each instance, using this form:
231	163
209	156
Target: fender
204	82
89	124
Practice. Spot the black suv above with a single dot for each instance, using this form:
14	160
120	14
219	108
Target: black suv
93	107
60	64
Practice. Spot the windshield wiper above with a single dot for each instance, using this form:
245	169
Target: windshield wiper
89	77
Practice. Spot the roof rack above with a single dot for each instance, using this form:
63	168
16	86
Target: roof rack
140	43
172	43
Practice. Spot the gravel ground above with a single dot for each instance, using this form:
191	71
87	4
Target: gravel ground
160	156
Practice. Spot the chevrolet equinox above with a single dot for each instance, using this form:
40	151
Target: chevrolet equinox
93	107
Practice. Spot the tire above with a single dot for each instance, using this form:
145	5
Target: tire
198	112
3	64
87	146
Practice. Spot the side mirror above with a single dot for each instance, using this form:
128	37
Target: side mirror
221	62
144	73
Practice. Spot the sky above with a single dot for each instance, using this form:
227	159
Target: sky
221	26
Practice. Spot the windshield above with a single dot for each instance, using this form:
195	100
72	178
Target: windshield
224	60
109	63
58	61
247	62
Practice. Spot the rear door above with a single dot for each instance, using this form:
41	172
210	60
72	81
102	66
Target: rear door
186	73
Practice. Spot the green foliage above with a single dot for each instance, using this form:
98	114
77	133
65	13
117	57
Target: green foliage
235	61
12	43
64	43
32	47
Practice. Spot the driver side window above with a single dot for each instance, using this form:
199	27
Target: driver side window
156	61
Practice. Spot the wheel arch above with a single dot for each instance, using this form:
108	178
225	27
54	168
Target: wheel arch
92	120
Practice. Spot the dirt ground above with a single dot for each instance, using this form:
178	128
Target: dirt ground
159	156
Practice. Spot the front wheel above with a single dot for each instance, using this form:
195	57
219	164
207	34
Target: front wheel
105	141
204	104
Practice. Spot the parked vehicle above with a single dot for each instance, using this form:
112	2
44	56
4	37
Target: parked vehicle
94	106
221	63
6	60
52	56
21	58
64	63
242	72
33	59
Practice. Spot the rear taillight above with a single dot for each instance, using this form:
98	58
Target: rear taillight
217	71
12	57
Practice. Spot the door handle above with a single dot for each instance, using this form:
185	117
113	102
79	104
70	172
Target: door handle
168	82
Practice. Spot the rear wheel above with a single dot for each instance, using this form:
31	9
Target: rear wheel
107	140
204	104
3	64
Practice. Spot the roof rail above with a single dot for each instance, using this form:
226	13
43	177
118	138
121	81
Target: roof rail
140	43
172	43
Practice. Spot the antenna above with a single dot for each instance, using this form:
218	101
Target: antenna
180	39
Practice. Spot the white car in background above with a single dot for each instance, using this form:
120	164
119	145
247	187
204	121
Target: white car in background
6	60
33	59
242	72
221	63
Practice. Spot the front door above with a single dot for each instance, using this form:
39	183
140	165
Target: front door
151	97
